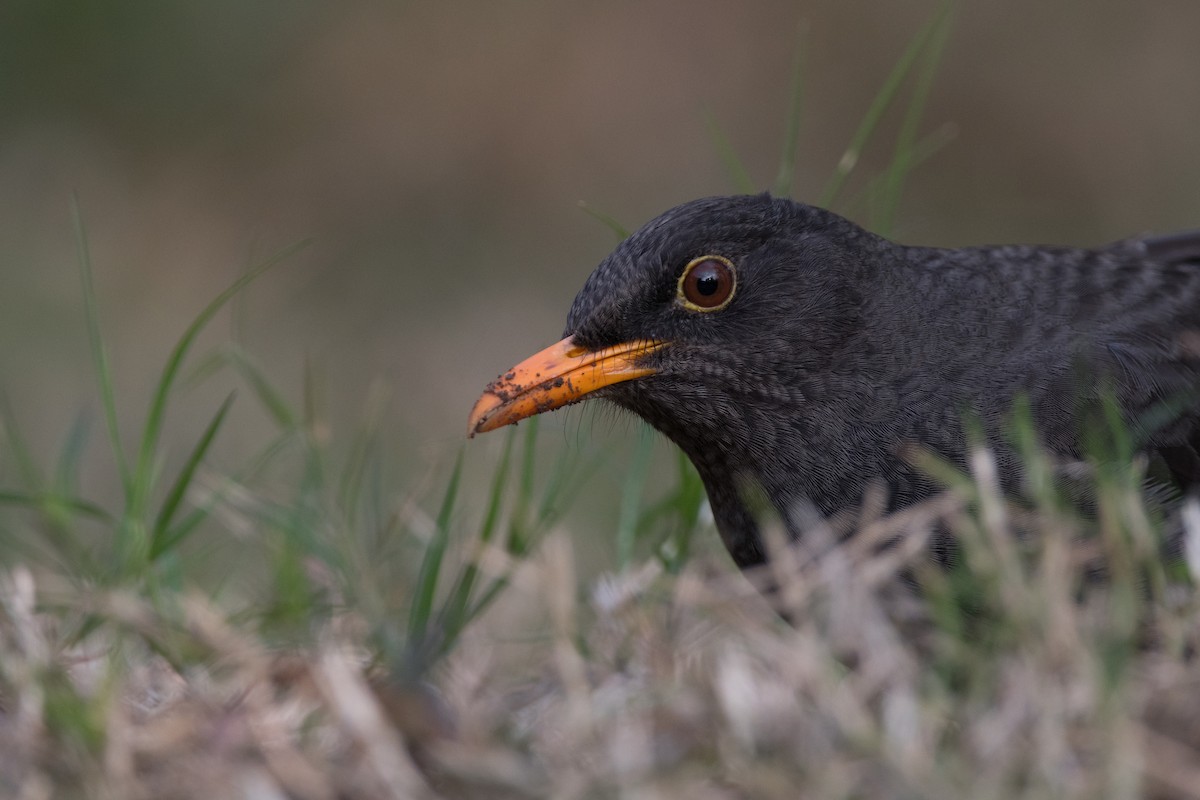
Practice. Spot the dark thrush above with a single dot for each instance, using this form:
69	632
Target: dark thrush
783	347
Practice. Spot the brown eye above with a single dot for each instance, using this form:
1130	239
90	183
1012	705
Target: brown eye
707	283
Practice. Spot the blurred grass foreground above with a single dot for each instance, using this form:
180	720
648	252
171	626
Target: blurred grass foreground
329	617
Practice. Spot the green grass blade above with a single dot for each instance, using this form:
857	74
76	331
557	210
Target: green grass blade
926	148
565	480
609	221
631	496
791	137
236	358
360	459
173	536
738	173
99	351
257	465
520	521
10	433
883	99
67	472
358	465
431	563
456	616
487	597
901	164
567	477
170	506
44	501
525	523
152	430
492	517
57	503
269	397
687	500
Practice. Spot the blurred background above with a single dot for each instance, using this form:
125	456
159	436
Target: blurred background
436	154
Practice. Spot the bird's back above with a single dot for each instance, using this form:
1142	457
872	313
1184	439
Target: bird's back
966	332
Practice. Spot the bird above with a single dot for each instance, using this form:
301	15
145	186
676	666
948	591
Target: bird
794	355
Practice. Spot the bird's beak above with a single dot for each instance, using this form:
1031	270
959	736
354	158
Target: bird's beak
562	374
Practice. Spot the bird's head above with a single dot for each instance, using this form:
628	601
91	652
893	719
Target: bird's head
716	313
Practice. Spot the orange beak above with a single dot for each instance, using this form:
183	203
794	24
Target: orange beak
562	374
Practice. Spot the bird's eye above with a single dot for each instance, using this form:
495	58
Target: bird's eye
707	284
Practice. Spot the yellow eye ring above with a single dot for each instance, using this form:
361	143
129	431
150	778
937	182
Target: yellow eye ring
707	284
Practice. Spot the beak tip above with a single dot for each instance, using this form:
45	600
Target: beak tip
477	422
474	425
477	425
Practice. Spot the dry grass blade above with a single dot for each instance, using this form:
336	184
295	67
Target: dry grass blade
345	691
